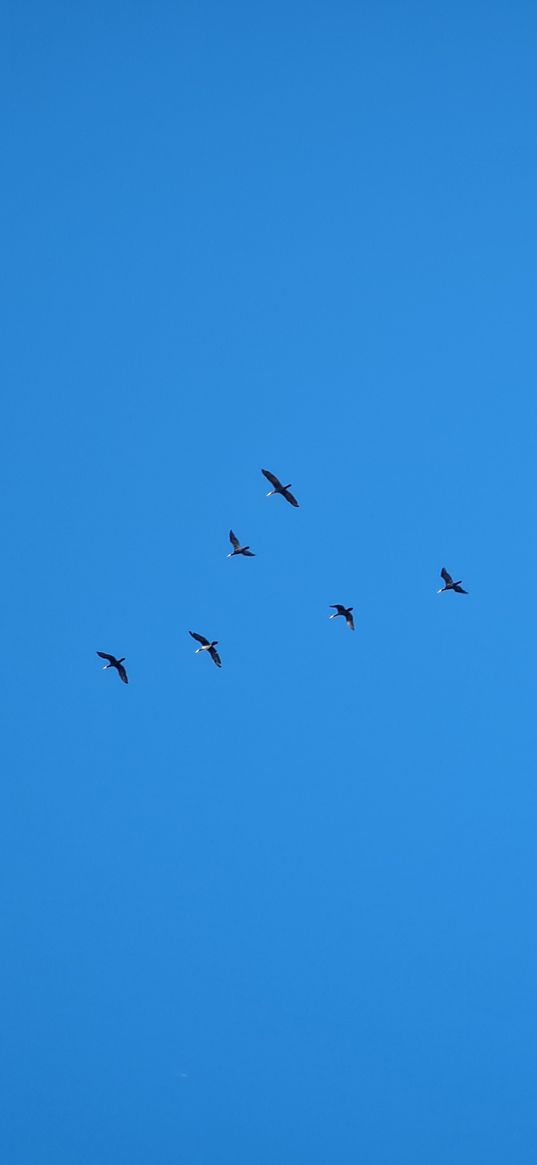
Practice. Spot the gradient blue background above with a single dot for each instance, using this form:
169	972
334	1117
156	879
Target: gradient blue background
284	912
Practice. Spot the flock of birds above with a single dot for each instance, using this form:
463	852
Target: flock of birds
210	645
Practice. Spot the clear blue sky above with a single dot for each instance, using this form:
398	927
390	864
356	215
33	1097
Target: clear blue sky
283	912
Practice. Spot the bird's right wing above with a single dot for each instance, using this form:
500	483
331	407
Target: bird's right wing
338	607
214	655
290	497
349	621
105	655
122	673
234	540
200	638
272	478
445	575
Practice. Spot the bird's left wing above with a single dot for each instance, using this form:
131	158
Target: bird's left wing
105	655
122	673
199	638
214	655
446	576
234	540
272	478
290	497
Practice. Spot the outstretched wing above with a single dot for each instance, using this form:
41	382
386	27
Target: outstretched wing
248	554
272	478
460	590
105	655
234	540
349	620
446	576
214	655
200	638
122	673
338	607
289	497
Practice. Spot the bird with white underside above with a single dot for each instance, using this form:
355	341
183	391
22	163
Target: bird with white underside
207	645
237	548
339	609
278	488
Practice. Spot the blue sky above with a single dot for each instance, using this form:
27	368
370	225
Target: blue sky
284	911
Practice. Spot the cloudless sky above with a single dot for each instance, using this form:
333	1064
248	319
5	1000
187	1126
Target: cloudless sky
285	911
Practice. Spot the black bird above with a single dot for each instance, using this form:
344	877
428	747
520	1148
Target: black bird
206	646
237	548
450	585
279	488
345	611
113	662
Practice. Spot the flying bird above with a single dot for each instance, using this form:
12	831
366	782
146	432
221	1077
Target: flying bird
450	585
113	662
279	488
345	611
206	646
237	548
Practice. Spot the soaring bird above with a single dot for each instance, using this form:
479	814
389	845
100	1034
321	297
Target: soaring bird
450	585
279	488
345	611
206	646
113	662
237	548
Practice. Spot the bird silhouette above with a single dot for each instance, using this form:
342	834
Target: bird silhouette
237	548
279	488
345	611
449	584
207	646
113	662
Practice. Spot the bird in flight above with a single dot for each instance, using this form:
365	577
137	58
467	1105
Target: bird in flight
279	488
345	611
206	646
113	662
237	548
450	585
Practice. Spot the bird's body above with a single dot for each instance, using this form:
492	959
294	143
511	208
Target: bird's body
278	488
339	609
113	662
207	645
449	584
237	548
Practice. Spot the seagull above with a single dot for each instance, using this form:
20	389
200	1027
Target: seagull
279	488
206	646
237	548
450	585
113	662
346	611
